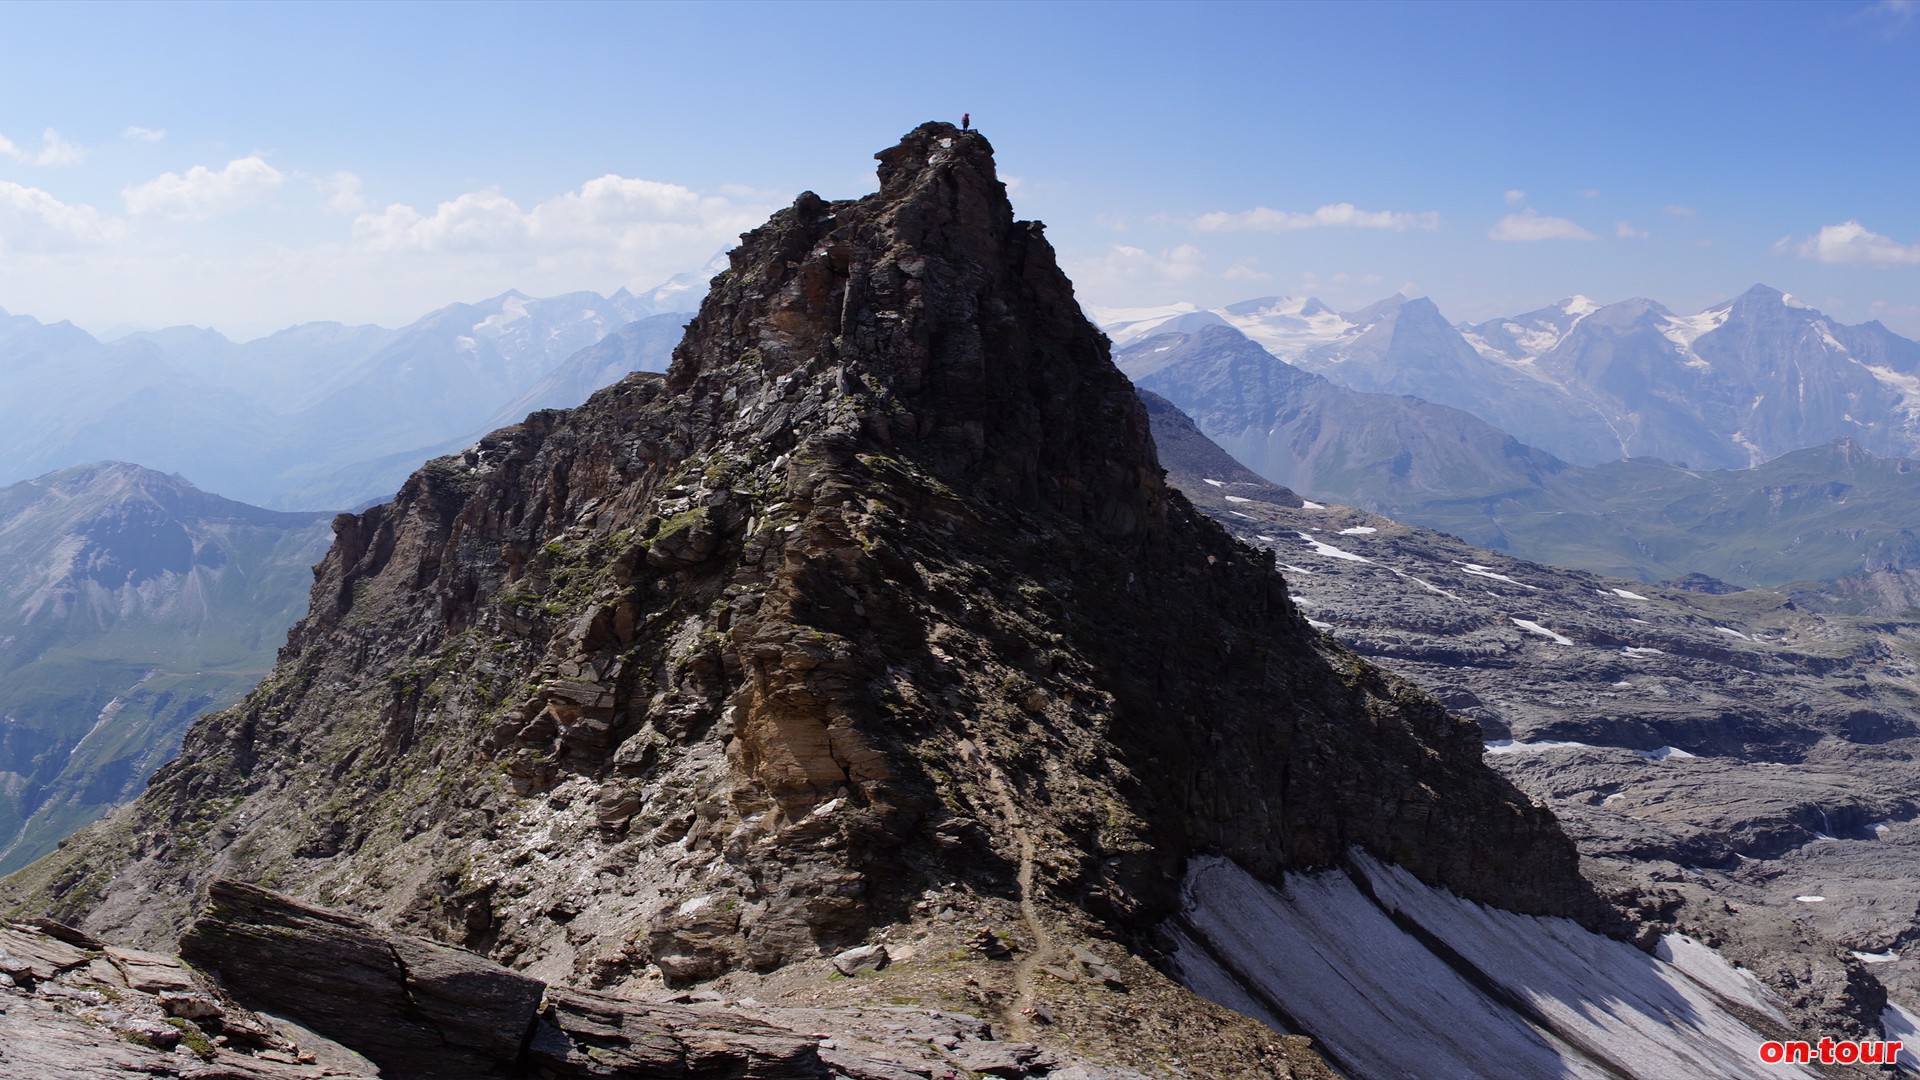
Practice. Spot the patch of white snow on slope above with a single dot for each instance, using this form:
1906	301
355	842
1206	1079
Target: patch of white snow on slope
1359	530
1564	1002
1322	548
1428	585
1236	499
1216	483
1907	386
1902	1024
1309	504
1529	624
1508	746
1487	572
1684	330
1662	753
1735	633
1625	595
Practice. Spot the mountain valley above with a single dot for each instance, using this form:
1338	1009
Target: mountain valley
130	602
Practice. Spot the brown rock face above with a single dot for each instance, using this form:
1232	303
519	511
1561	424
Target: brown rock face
879	592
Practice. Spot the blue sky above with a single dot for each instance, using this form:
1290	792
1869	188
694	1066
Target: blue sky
251	166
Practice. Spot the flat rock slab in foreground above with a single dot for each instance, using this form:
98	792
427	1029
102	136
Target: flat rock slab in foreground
423	1011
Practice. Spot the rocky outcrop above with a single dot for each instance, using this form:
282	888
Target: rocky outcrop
876	606
75	1008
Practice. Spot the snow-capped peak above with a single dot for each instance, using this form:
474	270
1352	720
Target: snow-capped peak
1578	306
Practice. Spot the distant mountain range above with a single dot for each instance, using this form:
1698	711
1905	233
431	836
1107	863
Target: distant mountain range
1814	514
321	414
1737	384
130	602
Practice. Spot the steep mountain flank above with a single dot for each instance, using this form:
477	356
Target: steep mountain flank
874	612
130	601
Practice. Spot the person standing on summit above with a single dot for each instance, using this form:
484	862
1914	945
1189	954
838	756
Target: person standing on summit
965	119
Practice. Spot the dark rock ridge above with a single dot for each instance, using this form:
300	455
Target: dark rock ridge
877	604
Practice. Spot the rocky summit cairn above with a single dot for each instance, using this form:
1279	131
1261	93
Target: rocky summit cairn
872	622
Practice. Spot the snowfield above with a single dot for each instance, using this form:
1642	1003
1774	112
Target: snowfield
1496	995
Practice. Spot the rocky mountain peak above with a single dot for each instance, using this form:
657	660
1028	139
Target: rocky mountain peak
940	322
877	605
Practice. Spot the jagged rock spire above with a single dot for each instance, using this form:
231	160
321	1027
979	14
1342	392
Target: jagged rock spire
948	325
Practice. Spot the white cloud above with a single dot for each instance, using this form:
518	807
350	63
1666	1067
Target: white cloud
1515	196
136	133
54	150
1625	231
33	220
1333	215
341	193
1893	16
1123	265
1246	270
1681	211
1852	243
203	193
1532	225
615	216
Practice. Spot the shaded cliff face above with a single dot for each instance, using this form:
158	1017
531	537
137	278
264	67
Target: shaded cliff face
879	592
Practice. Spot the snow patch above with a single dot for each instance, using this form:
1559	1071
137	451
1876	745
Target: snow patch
1887	957
1662	753
1907	386
1215	483
1429	586
1359	530
512	310
1529	624
1487	572
1331	552
1735	633
1684	330
1236	499
1318	625
1811	899
1897	1022
1640	650
1508	746
1626	595
1309	504
1332	956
